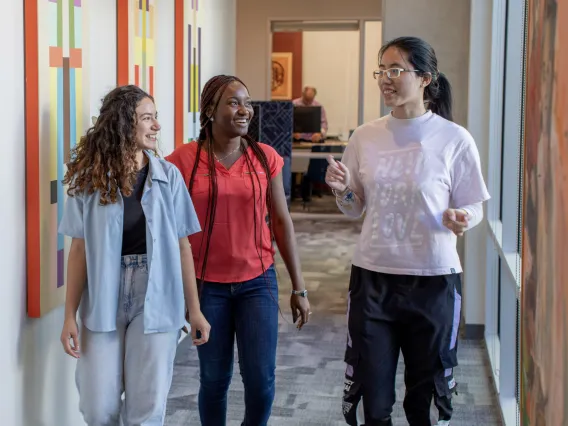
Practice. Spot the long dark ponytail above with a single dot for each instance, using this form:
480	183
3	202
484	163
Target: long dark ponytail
210	98
438	94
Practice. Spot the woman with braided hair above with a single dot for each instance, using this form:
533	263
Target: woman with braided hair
236	186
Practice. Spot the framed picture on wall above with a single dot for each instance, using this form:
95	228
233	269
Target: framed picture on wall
281	75
57	115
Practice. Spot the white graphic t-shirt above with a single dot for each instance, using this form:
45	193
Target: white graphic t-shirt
407	173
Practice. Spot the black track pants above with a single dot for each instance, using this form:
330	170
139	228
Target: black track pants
418	315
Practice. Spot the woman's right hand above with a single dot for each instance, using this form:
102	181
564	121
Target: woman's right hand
337	175
70	337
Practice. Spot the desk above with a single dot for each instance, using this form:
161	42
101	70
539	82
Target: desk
309	145
302	153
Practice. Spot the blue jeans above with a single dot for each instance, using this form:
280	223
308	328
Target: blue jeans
248	310
126	360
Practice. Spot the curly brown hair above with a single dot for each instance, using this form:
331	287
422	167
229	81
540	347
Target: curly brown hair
104	160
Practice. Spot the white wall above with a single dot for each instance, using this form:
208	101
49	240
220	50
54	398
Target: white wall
102	48
330	62
478	125
254	42
219	49
37	386
372	94
165	56
445	25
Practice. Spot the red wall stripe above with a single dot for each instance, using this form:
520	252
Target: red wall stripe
151	77
122	64
32	158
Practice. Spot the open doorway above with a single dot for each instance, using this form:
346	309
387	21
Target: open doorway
334	60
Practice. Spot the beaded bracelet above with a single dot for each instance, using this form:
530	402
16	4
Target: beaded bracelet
346	197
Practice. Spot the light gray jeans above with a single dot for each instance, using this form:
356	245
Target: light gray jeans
126	361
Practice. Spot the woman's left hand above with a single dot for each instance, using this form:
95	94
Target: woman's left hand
455	220
199	325
300	310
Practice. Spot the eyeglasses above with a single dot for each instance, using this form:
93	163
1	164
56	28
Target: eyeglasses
390	73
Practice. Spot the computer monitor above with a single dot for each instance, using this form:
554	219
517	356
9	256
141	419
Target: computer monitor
307	119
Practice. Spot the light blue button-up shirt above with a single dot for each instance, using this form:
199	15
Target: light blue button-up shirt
170	215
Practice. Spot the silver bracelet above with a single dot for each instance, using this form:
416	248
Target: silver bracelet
346	197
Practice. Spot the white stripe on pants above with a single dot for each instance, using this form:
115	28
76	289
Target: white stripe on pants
126	360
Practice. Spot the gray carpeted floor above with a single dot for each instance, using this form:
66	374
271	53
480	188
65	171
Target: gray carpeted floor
310	368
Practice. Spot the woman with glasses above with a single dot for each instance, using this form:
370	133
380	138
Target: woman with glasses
417	176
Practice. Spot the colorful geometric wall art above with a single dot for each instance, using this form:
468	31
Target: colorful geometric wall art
188	75
136	43
544	291
56	117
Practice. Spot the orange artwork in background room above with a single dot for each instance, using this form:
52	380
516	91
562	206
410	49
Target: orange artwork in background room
281	76
292	42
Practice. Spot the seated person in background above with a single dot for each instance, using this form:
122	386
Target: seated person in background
308	99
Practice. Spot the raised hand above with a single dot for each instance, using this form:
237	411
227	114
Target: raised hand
337	175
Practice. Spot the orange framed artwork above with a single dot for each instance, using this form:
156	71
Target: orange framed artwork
57	114
281	76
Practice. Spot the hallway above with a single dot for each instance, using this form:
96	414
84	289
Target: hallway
309	375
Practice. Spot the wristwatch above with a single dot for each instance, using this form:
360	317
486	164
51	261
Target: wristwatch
302	293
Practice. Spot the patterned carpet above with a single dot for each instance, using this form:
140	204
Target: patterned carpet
310	368
324	204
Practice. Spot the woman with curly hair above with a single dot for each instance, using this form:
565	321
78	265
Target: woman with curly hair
237	186
130	265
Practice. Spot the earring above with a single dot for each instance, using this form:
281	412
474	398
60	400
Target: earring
212	119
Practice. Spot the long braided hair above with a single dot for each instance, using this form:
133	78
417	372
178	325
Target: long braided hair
210	98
